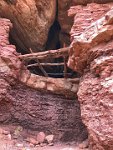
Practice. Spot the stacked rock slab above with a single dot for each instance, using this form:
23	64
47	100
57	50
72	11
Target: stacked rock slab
91	54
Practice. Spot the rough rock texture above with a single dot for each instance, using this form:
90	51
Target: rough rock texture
85	15
98	32
93	54
64	21
35	109
31	20
67	15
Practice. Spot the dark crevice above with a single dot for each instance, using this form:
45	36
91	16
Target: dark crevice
18	46
54	71
53	41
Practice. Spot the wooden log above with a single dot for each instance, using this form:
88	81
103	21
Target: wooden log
40	66
65	67
46	54
46	64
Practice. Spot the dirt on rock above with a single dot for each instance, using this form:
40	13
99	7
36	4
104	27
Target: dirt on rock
9	142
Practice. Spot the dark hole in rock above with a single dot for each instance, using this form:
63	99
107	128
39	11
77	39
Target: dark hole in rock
54	71
53	41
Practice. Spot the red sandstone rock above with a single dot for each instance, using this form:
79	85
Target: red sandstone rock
98	32
92	53
50	138
33	141
41	137
85	15
64	21
84	2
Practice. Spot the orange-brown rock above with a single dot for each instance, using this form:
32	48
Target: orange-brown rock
31	20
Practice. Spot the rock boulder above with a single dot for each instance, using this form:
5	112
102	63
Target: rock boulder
31	21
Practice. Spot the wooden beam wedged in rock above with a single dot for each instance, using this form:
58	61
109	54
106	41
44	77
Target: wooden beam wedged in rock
47	54
40	66
11	65
46	64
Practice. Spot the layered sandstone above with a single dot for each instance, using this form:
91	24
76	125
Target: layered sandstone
96	33
85	15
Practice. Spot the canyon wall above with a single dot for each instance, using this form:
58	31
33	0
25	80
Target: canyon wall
91	55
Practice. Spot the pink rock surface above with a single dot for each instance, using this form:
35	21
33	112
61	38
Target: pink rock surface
98	32
85	15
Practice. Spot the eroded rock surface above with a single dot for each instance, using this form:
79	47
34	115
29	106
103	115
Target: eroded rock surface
84	2
85	15
82	16
64	21
98	32
31	20
93	55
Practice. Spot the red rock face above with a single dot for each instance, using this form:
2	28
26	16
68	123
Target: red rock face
82	16
84	2
92	55
85	15
95	95
92	36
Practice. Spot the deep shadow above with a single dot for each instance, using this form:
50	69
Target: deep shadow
53	41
